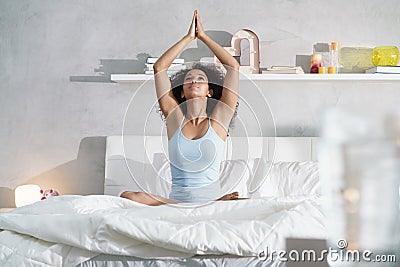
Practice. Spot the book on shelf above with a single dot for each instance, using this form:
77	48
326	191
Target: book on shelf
283	70
169	72
173	66
177	65
384	70
153	60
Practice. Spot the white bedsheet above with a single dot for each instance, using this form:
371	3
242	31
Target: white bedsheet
67	230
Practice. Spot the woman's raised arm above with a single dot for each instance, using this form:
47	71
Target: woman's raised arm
163	85
225	108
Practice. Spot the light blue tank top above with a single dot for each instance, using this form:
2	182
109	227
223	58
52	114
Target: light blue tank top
195	166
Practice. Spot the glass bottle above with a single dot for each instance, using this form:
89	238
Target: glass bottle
334	58
385	56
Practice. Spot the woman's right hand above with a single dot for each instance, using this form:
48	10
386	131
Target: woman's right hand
200	33
192	30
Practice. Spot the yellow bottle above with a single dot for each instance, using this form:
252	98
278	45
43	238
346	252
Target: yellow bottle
385	56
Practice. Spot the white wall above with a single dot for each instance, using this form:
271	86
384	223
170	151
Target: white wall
53	95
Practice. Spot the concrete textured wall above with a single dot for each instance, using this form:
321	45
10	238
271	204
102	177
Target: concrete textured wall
57	102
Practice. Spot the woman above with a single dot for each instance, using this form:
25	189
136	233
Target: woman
196	139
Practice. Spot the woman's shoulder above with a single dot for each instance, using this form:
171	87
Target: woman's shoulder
219	129
174	121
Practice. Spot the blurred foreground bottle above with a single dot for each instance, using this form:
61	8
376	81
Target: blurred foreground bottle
385	56
360	177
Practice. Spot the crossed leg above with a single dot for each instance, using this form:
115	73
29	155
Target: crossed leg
153	200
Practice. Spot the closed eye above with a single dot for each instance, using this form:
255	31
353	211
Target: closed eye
198	78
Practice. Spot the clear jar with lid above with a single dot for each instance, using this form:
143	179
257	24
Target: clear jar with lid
334	58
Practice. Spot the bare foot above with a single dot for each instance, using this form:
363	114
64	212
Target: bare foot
231	196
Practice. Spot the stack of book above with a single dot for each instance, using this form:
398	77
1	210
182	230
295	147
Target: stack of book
283	70
384	70
177	65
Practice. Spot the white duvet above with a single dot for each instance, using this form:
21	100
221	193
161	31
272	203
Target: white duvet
67	230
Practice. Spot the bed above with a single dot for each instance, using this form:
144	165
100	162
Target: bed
278	174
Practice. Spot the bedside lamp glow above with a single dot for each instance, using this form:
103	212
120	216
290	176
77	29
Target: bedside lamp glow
27	194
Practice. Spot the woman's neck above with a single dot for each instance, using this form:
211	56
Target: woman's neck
196	110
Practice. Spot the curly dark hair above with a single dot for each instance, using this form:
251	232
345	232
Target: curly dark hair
215	81
216	77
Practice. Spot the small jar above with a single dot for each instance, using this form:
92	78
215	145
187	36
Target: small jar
385	56
322	70
332	70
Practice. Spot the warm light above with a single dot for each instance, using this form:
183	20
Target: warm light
27	194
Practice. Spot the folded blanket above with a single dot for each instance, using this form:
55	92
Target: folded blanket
67	230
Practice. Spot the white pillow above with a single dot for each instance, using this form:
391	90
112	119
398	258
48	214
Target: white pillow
259	178
285	179
131	175
251	178
236	175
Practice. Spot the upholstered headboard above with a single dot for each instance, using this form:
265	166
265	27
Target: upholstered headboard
271	148
142	149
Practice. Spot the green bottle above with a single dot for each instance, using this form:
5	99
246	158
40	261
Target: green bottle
385	56
355	59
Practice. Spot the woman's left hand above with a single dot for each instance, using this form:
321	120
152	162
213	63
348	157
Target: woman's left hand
192	30
200	33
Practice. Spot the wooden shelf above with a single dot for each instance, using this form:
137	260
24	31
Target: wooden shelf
129	78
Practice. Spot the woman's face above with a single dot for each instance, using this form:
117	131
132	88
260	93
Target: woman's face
195	84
